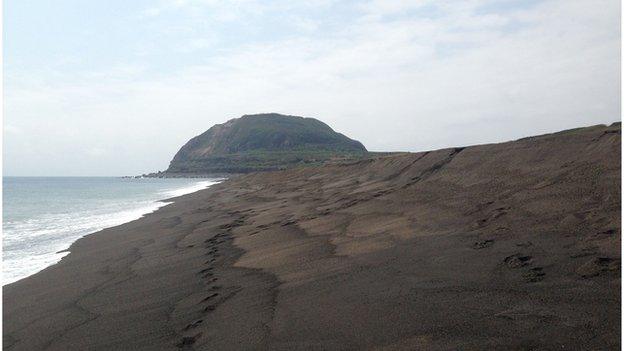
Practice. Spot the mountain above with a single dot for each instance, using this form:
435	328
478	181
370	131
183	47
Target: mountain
262	142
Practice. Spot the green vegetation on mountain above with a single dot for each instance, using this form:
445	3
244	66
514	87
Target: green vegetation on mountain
263	142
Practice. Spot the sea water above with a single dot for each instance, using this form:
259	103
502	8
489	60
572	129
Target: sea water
42	216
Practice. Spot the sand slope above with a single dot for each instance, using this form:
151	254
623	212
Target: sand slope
503	246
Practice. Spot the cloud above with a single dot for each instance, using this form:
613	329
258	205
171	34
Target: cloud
11	129
96	152
151	12
397	75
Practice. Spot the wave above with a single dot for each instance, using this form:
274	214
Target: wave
190	189
31	245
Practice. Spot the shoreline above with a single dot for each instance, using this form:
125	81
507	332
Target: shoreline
501	246
154	206
123	243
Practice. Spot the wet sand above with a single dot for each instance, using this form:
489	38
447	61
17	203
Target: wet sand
503	246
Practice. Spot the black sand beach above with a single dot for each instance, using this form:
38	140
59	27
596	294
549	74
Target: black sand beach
512	246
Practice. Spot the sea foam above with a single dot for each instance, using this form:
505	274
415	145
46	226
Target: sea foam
34	242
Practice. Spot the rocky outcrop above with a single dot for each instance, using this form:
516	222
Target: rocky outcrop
262	142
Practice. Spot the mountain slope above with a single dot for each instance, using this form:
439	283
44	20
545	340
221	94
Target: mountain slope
262	142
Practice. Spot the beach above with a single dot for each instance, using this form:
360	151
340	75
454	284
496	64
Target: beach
501	246
43	216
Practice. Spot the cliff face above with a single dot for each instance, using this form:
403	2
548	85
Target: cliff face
262	142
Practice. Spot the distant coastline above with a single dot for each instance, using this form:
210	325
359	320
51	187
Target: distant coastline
165	174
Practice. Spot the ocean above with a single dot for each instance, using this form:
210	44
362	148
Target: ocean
45	215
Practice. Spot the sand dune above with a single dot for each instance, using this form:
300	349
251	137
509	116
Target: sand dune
503	246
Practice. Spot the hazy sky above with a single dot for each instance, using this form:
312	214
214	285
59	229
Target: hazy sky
115	87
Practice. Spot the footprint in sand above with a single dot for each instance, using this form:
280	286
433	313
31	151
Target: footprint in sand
597	266
517	260
483	244
193	324
533	275
187	341
209	297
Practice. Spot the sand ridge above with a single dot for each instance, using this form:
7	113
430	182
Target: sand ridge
502	246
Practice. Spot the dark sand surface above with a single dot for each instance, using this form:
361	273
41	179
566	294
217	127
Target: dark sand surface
512	246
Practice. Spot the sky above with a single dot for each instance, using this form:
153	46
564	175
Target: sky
116	87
